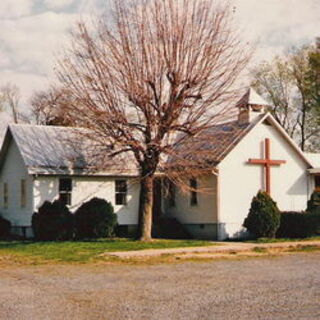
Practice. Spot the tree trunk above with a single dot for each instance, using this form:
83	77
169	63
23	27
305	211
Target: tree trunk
145	208
303	128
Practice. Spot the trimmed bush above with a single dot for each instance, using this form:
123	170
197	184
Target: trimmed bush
263	219
53	221
95	219
313	205
5	228
298	225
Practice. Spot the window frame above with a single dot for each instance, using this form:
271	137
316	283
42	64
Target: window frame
316	185
5	195
65	194
23	193
193	184
172	194
121	194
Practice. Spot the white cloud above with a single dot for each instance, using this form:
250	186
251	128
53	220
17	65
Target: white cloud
4	60
28	48
275	25
15	8
58	4
28	41
27	82
32	41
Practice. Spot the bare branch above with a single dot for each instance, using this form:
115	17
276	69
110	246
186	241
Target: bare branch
158	72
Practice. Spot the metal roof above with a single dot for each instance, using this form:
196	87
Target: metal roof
63	150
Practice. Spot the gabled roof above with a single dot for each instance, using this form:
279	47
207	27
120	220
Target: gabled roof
3	128
59	150
218	141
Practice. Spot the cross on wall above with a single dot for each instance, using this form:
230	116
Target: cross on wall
267	163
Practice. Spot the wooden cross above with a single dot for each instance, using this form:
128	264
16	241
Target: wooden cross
267	163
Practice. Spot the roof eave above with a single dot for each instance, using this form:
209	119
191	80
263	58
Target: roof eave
5	146
288	138
278	127
79	172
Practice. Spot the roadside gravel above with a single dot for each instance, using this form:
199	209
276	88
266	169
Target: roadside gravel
285	287
220	247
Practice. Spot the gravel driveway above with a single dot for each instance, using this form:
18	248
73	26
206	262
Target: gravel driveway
286	287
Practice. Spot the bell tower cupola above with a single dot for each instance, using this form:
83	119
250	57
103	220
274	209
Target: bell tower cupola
250	106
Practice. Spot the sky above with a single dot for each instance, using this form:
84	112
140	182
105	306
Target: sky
33	32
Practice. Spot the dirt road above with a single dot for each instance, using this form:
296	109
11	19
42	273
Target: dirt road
286	287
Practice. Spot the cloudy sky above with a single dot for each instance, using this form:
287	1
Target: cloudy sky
33	31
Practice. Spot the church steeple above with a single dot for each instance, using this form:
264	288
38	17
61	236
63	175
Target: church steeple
250	106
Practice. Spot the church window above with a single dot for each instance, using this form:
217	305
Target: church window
193	193
317	183
172	194
5	195
65	190
121	192
23	194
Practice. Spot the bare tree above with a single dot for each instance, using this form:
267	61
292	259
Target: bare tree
48	107
149	80
274	81
9	100
289	83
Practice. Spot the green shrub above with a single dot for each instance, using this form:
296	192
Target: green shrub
313	205
5	228
263	219
53	221
95	219
298	225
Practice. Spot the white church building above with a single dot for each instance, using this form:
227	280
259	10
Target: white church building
251	153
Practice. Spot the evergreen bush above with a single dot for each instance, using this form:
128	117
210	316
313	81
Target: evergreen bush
95	219
53	221
263	219
5	228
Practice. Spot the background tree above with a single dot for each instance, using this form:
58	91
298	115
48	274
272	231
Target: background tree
48	107
290	83
151	78
313	80
9	100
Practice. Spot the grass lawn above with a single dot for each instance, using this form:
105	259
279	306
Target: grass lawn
83	251
275	240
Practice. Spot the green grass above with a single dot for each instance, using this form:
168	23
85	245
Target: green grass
305	248
260	250
275	240
84	251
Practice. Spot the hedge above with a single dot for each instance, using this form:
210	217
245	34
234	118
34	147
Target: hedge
5	228
298	224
